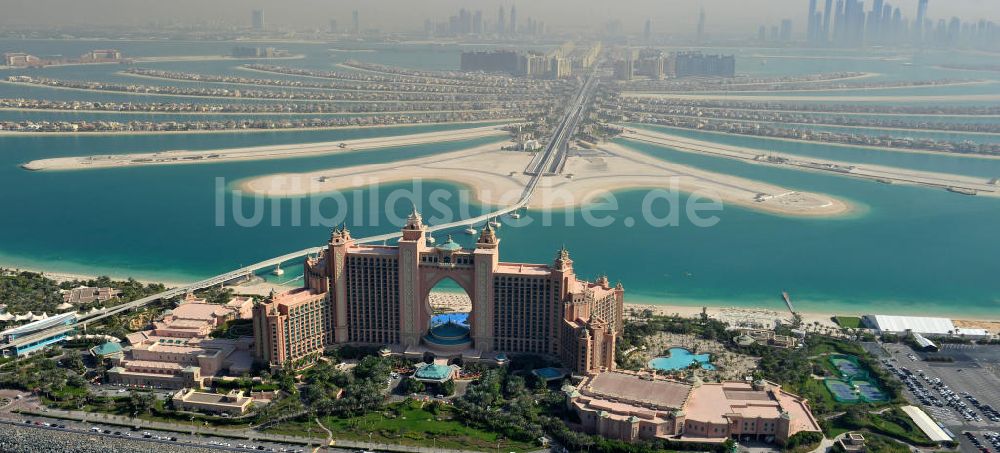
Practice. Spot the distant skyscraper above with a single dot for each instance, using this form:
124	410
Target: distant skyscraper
333	26
257	19
701	25
786	30
477	22
647	32
513	19
356	22
838	24
811	22
501	23
918	26
874	26
762	33
827	14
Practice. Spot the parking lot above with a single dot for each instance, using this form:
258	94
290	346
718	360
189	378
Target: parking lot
963	395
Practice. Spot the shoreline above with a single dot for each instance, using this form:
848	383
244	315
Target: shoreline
266	86
793	98
305	114
811	90
815	142
268	152
196	96
251	131
872	172
661	306
831	125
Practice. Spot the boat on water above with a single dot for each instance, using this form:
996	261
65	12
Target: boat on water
962	190
494	223
515	215
430	239
470	230
278	271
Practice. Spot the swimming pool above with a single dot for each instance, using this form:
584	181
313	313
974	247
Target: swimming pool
680	359
457	318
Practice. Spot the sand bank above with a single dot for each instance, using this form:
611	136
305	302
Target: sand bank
258	152
892	175
496	178
949	98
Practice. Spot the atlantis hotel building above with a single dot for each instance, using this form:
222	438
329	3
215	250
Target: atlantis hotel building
378	295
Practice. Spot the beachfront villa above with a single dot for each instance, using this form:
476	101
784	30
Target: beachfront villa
632	406
177	351
378	295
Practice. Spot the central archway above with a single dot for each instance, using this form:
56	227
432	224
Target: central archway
448	332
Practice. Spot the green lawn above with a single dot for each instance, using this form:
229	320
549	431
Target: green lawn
414	426
893	423
850	322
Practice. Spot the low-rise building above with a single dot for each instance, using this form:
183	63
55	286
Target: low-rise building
631	406
86	295
20	59
31	337
233	403
853	443
178	353
927	326
770	338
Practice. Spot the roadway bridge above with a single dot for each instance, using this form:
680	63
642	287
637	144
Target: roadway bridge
551	159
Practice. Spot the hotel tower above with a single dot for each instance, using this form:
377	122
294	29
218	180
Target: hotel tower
378	295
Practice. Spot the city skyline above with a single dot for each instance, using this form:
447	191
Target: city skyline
673	17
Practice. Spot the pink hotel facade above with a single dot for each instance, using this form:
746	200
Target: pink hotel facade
378	295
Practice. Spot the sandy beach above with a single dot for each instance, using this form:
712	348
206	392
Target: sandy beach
496	178
458	301
258	152
881	173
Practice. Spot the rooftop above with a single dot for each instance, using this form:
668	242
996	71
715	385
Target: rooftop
434	371
616	385
523	269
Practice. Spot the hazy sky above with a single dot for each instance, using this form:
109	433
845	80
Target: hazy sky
723	16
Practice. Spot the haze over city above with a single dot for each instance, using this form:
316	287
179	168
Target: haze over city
669	16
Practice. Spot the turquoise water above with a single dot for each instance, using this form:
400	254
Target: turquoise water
680	359
904	250
456	318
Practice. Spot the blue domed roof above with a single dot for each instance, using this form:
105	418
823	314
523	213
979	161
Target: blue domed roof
450	245
434	371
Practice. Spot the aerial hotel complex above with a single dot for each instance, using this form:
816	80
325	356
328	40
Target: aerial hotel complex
378	295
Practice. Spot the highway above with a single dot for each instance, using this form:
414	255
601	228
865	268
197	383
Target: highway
549	163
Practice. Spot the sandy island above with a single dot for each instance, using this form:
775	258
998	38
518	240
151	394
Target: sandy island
497	178
890	175
259	152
